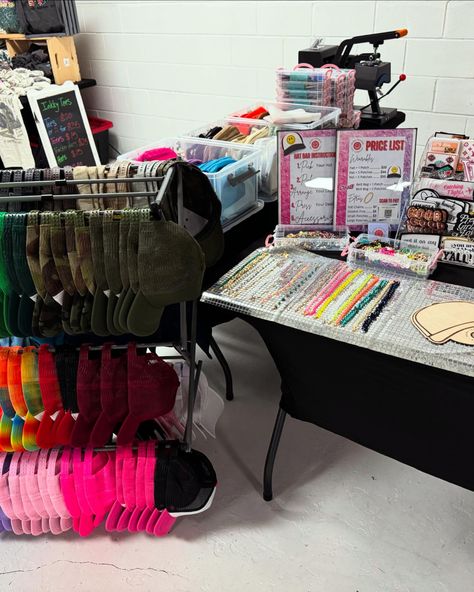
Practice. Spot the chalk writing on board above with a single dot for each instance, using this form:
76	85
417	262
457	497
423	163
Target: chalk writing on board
66	130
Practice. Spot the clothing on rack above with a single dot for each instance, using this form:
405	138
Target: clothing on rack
81	269
9	21
15	148
139	489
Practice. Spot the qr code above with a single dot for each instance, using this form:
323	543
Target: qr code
388	212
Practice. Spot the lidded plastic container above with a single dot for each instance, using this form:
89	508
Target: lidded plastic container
394	255
324	117
267	144
311	238
236	185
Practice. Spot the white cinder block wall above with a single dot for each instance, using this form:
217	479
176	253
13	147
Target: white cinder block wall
162	68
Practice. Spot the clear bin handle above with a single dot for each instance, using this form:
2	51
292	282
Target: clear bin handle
269	241
236	179
304	65
345	250
436	259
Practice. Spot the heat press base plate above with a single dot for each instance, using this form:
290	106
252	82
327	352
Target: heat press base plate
388	119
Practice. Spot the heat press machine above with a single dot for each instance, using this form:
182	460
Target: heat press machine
371	73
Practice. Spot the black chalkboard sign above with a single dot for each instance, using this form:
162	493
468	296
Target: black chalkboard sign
63	126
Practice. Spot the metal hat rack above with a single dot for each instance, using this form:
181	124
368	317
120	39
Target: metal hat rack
185	346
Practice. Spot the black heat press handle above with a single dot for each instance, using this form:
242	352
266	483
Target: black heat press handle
376	39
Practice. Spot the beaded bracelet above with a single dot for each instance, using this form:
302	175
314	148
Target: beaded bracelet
242	270
250	283
315	289
260	282
341	297
287	285
340	276
294	291
381	305
372	282
257	284
354	297
364	302
337	291
372	306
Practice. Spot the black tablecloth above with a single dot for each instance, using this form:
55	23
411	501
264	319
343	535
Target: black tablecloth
419	415
416	414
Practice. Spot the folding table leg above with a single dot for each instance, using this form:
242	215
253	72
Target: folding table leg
271	454
229	387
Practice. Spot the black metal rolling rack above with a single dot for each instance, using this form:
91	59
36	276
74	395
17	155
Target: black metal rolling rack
156	187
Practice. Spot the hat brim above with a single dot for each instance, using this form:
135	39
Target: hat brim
200	482
111	306
102	430
144	318
464	332
99	314
125	302
81	432
465	337
293	148
25	314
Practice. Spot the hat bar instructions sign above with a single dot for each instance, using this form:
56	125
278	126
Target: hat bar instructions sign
307	163
374	169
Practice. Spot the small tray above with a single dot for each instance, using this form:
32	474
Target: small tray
395	255
325	117
311	238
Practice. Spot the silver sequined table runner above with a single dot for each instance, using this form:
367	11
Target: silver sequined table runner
259	293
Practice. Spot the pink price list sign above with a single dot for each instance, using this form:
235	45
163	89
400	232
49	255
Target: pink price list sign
374	168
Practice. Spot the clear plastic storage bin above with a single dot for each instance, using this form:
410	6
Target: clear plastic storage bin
235	185
395	255
311	238
268	175
324	117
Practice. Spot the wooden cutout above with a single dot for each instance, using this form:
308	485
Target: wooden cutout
446	321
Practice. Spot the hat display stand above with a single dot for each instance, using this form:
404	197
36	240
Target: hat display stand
185	344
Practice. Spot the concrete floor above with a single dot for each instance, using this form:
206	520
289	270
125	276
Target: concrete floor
344	519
